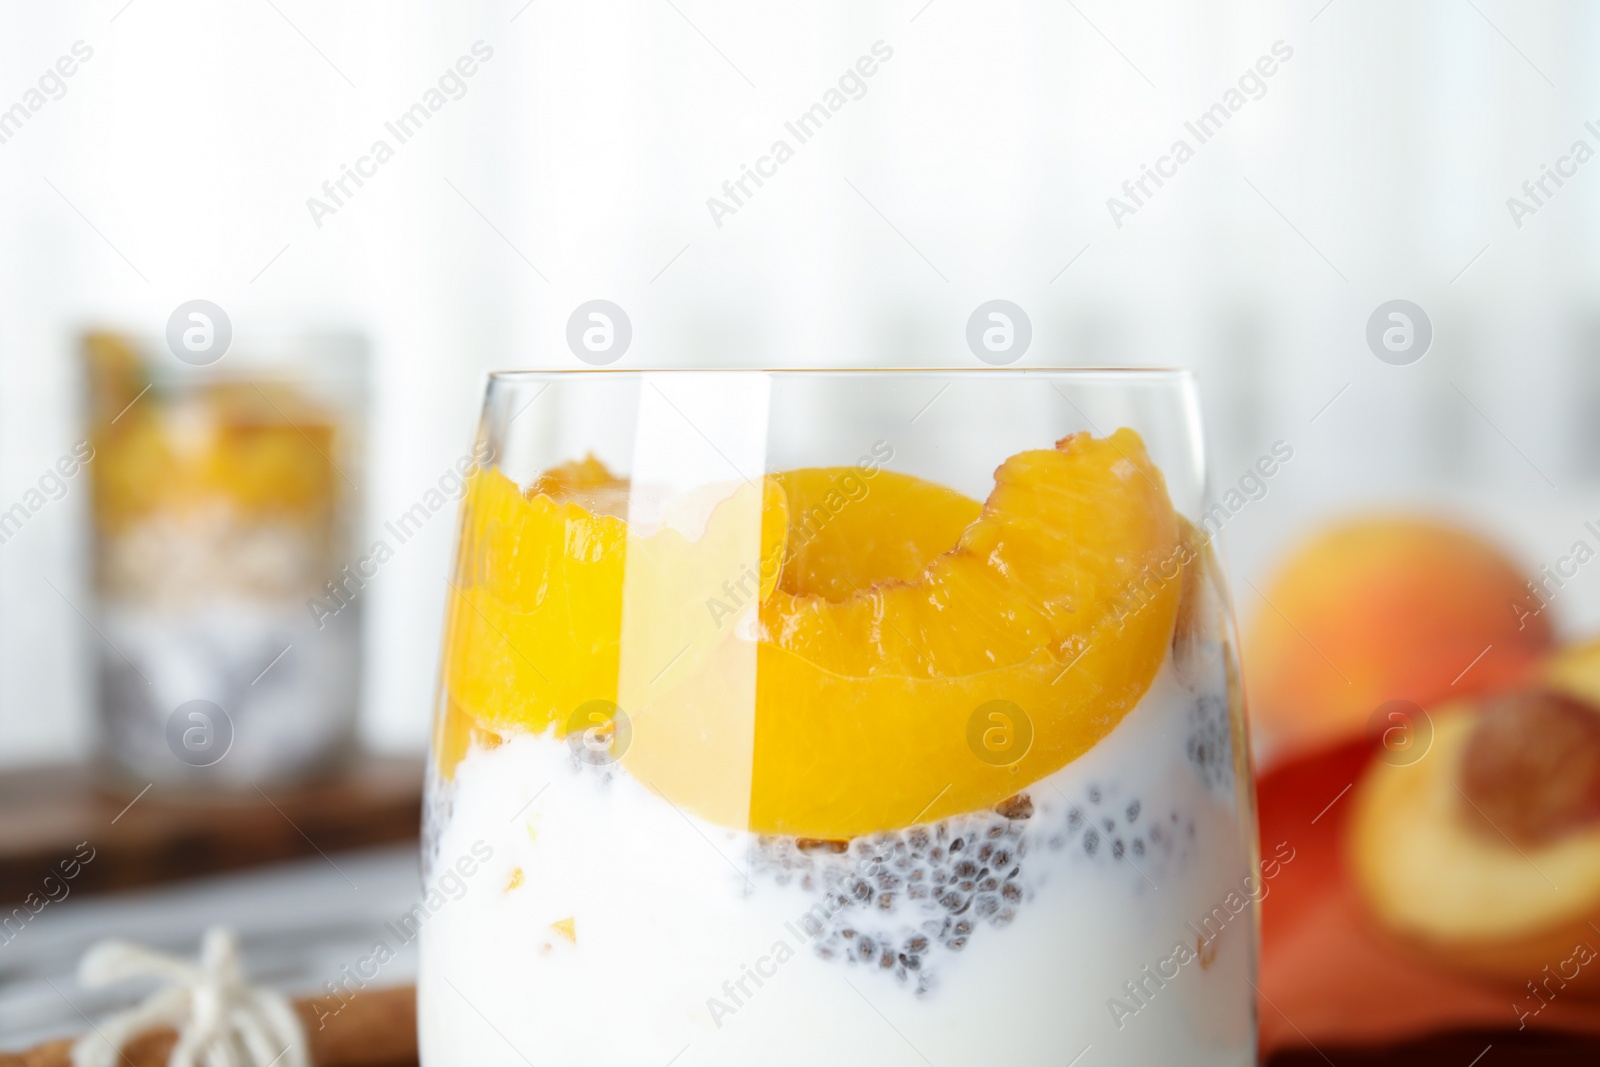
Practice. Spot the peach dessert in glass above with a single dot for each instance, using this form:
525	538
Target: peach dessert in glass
224	521
792	717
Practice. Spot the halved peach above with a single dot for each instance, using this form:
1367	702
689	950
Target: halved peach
1481	854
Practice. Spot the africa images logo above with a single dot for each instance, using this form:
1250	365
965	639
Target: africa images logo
851	85
451	85
1252	85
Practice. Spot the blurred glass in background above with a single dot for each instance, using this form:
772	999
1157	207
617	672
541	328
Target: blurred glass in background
225	509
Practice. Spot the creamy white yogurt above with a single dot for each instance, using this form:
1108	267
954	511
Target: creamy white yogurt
1132	943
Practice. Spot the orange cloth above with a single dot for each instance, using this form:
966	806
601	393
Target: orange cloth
1329	977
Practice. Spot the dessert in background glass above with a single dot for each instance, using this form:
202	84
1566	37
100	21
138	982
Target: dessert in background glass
224	511
838	717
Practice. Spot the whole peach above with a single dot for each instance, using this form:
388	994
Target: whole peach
1380	610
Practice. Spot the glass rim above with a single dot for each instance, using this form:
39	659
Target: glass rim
1147	373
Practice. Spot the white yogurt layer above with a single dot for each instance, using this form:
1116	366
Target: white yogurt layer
1126	931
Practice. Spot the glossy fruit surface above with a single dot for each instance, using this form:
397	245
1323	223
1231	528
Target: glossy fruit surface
806	655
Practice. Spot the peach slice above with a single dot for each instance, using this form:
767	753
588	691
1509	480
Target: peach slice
850	529
819	679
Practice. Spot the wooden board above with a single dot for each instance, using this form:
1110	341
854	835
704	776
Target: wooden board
168	834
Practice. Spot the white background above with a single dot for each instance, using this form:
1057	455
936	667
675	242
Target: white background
1376	165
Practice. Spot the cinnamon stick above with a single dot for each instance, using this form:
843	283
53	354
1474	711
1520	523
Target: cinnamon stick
378	1028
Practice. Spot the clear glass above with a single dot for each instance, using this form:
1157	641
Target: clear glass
226	507
838	717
